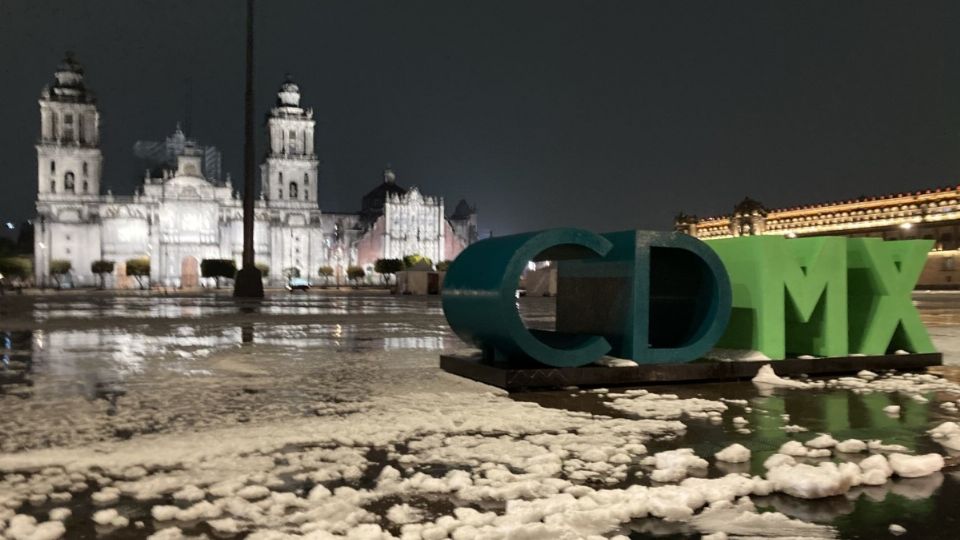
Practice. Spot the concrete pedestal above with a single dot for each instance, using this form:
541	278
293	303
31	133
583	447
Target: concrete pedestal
513	377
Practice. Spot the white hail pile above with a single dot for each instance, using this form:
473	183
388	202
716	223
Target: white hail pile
645	404
538	473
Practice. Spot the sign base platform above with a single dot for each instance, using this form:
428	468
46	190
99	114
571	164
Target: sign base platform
515	378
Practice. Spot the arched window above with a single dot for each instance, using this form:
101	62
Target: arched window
280	193
306	179
86	186
53	166
53	186
294	190
86	170
280	178
68	182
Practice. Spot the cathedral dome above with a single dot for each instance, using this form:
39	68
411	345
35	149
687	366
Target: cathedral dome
69	70
68	83
289	94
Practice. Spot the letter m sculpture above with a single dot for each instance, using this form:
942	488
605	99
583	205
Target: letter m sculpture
789	295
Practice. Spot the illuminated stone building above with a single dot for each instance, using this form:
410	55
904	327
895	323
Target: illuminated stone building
932	214
184	212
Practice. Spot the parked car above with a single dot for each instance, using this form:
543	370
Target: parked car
298	284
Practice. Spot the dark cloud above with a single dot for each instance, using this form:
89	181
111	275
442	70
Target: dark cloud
601	114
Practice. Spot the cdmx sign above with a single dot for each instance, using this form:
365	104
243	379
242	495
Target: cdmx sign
657	297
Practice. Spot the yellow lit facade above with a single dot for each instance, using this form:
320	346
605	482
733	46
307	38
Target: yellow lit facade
931	214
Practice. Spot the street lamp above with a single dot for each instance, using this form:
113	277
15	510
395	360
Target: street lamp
249	282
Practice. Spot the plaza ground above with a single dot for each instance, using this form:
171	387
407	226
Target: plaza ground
325	415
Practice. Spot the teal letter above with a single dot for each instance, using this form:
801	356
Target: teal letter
479	297
656	297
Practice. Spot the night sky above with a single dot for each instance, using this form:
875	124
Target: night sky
606	115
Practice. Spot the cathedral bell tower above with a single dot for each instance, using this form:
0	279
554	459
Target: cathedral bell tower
68	154
289	173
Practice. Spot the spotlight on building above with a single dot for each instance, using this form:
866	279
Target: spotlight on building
791	234
10	226
906	226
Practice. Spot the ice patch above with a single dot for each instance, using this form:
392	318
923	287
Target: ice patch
59	514
793	448
224	526
24	527
609	361
851	446
915	466
947	434
645	404
824	440
735	453
741	519
766	376
674	465
189	494
404	513
814	482
110	517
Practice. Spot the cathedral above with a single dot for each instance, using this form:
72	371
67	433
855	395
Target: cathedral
183	214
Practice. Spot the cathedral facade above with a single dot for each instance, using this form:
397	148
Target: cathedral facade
180	216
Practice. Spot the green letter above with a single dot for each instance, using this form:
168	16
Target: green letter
789	296
882	276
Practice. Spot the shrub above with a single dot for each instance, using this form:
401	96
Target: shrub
59	268
325	272
218	268
16	268
443	266
139	269
410	261
102	268
355	274
387	267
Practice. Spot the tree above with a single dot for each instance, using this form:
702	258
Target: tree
355	274
59	268
409	261
443	266
139	269
292	272
15	268
25	238
264	269
387	267
218	268
325	272
7	247
102	268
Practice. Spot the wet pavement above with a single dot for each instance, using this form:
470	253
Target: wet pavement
84	369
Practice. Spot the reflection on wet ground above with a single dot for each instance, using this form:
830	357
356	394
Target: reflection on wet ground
925	506
195	362
80	369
